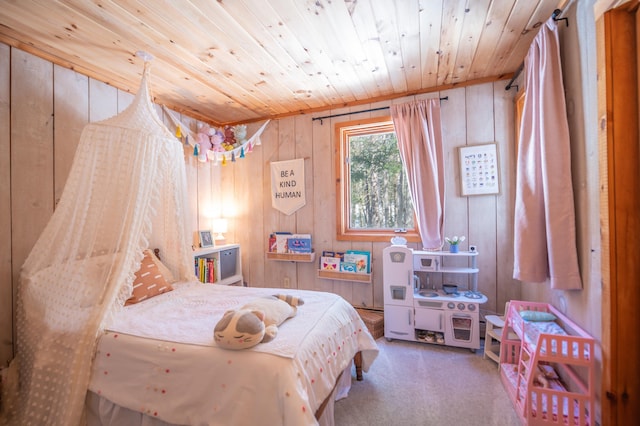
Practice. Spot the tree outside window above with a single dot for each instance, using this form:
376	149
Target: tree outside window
375	202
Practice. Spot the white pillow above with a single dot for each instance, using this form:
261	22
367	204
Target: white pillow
537	316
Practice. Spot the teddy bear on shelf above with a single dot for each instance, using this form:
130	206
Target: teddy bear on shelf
216	141
256	322
240	132
229	138
203	139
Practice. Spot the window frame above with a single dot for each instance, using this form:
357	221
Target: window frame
343	131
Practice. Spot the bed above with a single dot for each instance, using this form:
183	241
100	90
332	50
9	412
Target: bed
157	363
81	354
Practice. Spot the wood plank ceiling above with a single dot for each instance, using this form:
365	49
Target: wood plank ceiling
234	61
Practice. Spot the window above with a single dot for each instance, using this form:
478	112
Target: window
374	202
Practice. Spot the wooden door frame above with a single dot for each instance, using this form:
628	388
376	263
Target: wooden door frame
619	146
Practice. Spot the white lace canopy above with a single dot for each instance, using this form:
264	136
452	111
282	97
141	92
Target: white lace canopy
126	191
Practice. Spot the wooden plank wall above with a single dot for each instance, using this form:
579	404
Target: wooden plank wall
472	115
43	109
6	288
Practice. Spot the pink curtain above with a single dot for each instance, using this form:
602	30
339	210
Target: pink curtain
419	133
545	232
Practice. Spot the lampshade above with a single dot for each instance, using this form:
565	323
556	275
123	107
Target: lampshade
219	226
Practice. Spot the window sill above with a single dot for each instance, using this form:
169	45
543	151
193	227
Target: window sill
364	236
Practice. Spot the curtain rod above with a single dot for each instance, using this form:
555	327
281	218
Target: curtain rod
358	112
515	75
556	13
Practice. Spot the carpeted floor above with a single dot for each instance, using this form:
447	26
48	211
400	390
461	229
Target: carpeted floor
419	384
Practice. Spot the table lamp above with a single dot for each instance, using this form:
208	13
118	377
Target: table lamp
219	227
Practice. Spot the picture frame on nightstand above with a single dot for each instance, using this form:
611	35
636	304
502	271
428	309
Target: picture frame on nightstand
206	239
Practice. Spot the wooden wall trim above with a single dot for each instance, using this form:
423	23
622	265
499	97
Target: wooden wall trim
6	289
436	89
621	206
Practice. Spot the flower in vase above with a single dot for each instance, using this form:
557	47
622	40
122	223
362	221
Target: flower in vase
455	240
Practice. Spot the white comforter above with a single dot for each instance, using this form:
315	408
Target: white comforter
159	358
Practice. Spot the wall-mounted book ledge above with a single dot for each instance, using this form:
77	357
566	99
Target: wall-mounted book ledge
292	257
344	276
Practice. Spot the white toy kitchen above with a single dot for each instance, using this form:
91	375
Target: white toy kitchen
417	311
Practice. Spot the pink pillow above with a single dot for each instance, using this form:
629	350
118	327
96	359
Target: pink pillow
149	281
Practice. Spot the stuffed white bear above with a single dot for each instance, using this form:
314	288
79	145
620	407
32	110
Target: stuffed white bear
256	322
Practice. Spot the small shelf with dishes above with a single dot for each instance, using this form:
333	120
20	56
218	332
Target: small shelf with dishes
433	262
344	276
292	257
